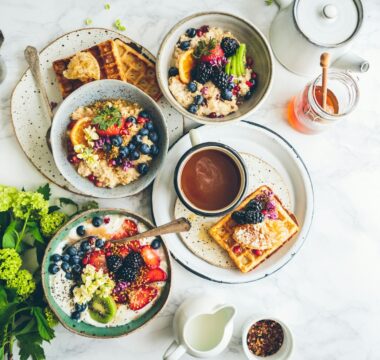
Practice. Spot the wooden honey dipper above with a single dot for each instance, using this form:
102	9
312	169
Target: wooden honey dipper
325	62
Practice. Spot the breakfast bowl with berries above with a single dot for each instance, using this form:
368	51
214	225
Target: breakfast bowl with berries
109	139
99	288
215	67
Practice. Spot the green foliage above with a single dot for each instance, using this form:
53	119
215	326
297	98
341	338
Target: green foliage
50	223
204	49
106	117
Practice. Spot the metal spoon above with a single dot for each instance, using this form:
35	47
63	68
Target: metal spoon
32	58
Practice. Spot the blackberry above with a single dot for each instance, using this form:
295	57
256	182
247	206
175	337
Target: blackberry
220	79
114	262
253	217
133	260
239	217
203	72
254	205
229	46
127	274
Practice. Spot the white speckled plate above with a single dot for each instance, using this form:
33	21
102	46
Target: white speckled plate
29	120
290	179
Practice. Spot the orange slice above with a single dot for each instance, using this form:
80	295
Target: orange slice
186	64
77	135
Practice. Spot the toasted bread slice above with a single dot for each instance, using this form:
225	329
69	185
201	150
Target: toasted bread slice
137	69
107	56
280	230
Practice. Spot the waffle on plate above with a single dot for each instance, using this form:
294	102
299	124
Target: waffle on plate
274	232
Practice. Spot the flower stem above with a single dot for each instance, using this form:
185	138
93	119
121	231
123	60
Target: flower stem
21	235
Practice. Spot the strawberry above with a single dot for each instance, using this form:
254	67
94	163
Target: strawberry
98	260
154	275
141	297
129	228
216	54
134	245
123	251
151	259
112	130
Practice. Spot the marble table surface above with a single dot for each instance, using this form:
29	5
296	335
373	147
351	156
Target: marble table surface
329	294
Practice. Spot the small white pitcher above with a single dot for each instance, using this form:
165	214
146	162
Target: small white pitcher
202	327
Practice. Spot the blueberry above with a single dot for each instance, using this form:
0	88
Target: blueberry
116	140
253	81
132	119
74	260
230	86
153	136
75	315
144	132
85	246
53	268
123	151
149	125
173	71
198	100
144	114
80	254
69	276
118	161
131	147
135	155
66	257
107	147
193	108
248	95
184	45
156	243
99	243
97	221
142	168
137	139
145	149
154	150
72	250
55	257
80	307
227	94
192	87
80	231
77	268
65	266
191	32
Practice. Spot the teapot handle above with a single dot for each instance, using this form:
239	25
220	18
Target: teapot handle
174	351
282	4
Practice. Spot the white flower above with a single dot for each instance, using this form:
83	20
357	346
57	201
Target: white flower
85	153
90	135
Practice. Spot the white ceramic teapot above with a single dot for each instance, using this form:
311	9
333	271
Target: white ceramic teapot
304	29
202	327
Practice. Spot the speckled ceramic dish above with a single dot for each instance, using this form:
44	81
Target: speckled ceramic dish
83	328
257	47
87	95
29	121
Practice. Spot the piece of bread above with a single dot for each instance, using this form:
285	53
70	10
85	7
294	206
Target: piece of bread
280	230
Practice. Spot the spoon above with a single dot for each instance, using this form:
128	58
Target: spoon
32	58
325	61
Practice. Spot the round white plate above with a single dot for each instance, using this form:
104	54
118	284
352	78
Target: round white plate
29	120
265	144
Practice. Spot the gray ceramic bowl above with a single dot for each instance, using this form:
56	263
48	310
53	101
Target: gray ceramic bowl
86	95
257	47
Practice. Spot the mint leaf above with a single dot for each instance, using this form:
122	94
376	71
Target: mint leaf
45	331
45	191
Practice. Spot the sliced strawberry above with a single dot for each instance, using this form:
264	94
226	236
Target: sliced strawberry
151	258
216	54
112	130
98	260
134	245
123	251
154	275
129	228
141	297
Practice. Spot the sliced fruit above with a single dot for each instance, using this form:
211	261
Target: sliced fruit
186	64
216	54
98	260
141	297
154	275
77	135
134	245
102	309
129	228
112	130
151	258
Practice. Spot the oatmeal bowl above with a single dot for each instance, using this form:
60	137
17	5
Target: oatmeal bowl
215	67
109	139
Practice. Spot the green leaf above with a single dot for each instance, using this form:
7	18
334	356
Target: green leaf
67	201
45	191
53	208
4	221
45	331
30	346
92	204
26	327
34	230
10	235
106	117
269	2
3	298
6	313
2	353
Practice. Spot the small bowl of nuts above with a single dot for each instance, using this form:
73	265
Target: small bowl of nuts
267	337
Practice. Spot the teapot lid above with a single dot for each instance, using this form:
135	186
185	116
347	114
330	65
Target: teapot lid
328	23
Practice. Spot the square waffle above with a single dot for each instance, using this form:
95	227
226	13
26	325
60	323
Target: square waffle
138	70
106	55
281	231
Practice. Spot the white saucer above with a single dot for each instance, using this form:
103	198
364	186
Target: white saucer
270	147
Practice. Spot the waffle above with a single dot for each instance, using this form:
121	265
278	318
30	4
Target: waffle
137	69
107	56
282	230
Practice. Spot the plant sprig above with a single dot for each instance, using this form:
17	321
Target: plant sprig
106	117
203	48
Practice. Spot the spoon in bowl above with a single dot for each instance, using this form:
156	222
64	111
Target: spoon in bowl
32	58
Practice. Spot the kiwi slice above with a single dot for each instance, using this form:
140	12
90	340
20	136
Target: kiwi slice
102	309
